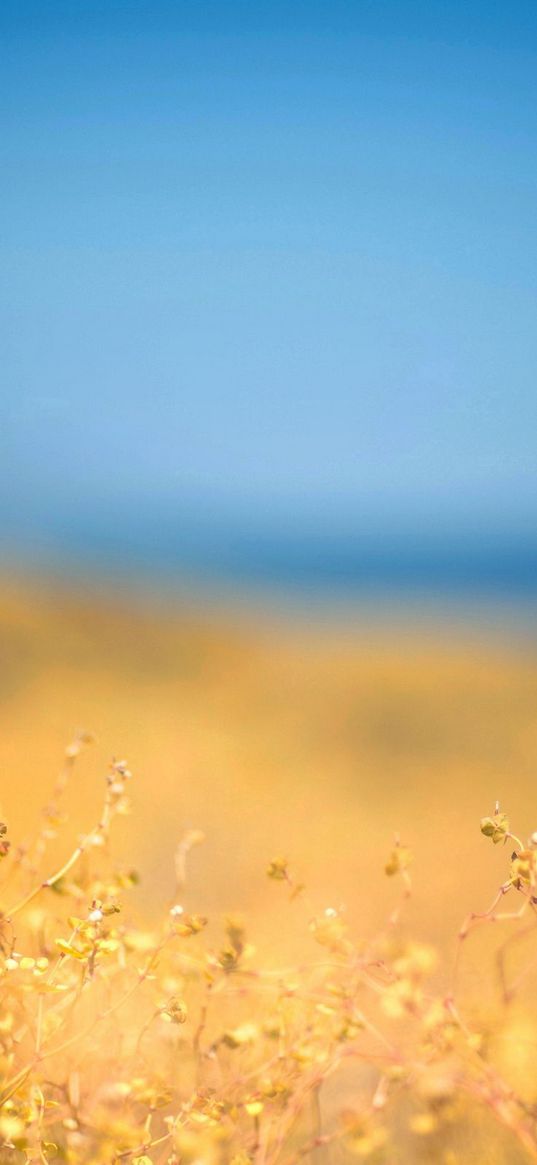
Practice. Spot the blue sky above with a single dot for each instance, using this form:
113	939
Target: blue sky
276	257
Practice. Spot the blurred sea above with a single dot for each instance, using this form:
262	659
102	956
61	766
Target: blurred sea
482	576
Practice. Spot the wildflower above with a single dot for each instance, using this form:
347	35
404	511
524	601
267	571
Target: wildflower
254	1106
496	827
524	867
186	925
278	870
175	1010
399	860
69	949
329	930
245	1033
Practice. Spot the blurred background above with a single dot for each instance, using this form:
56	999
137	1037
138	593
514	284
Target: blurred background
269	434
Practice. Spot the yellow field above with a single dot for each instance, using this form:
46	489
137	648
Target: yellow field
276	737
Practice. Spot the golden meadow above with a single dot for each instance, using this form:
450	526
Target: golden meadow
239	861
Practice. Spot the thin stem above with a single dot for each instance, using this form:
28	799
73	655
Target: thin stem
97	831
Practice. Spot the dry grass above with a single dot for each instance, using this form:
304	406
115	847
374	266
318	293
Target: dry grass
271	740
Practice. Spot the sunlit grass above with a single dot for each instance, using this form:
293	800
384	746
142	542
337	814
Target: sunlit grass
333	1014
153	1038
